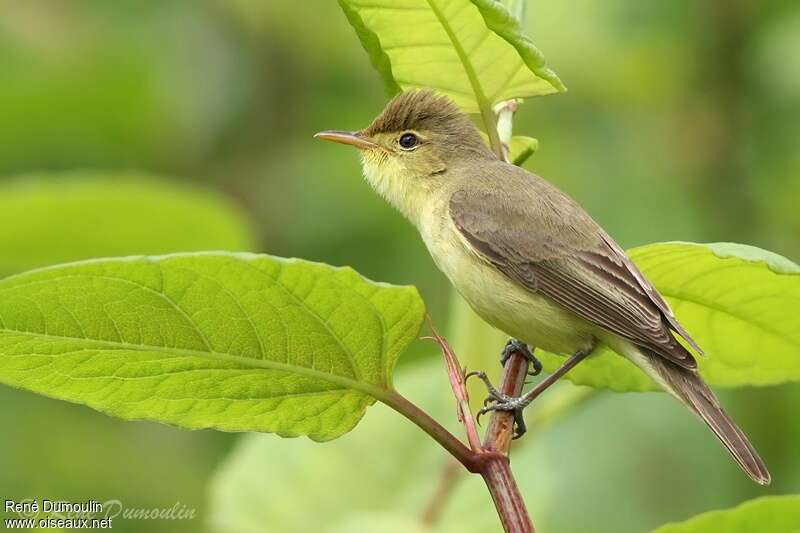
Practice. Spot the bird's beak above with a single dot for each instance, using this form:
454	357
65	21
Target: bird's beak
353	138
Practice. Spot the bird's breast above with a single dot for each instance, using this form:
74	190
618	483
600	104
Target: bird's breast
504	304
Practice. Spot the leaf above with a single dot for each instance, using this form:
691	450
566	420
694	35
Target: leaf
236	342
521	148
773	514
472	50
738	302
68	216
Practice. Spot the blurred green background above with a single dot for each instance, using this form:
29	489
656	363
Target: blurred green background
682	122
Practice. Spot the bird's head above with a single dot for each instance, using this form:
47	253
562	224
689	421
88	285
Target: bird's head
409	147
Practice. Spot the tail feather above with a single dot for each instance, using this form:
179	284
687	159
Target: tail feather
688	387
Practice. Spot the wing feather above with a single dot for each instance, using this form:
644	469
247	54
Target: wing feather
544	241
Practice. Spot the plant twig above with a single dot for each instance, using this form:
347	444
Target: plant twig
457	382
505	493
471	460
505	115
489	459
500	431
548	411
447	481
497	473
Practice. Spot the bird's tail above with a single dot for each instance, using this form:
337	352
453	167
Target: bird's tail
690	389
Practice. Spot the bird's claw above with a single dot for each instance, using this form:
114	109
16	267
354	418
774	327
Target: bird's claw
493	392
500	402
515	346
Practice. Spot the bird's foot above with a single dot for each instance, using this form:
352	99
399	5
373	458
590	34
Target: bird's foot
501	402
515	346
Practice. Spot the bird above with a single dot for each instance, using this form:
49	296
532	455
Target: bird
528	258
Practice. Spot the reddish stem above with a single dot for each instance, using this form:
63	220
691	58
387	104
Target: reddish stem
398	402
507	498
490	460
447	481
500	431
497	443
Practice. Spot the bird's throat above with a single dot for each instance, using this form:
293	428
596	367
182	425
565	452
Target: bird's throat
391	180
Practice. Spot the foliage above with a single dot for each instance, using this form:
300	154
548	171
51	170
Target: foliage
776	514
474	51
521	148
236	342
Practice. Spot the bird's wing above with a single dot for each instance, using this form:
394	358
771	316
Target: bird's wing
544	241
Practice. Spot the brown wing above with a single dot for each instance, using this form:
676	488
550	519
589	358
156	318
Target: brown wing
543	240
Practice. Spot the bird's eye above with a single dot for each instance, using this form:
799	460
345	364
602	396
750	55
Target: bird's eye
408	141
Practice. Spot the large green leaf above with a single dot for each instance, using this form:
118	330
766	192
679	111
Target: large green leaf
472	50
738	302
236	342
770	514
55	218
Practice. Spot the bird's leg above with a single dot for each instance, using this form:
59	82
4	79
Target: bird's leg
515	346
502	402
